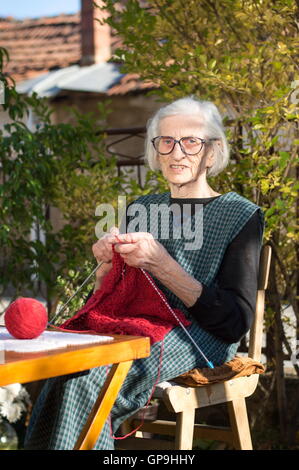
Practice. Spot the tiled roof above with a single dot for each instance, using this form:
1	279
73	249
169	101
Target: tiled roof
130	82
96	78
37	46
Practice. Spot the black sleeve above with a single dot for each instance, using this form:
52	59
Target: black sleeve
226	309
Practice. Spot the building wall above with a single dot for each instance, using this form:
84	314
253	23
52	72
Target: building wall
124	111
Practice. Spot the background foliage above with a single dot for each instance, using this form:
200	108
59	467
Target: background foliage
242	55
51	166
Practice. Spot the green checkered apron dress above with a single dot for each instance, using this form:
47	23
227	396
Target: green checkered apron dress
65	402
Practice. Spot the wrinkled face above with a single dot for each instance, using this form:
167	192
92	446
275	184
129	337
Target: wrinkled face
177	167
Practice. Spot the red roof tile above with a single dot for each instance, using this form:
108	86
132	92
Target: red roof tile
130	82
38	45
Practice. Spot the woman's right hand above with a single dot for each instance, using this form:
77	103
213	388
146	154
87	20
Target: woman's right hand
102	251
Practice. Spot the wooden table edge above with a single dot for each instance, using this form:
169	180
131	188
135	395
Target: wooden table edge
75	359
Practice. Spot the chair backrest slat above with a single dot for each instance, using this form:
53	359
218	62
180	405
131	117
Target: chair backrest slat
264	267
256	331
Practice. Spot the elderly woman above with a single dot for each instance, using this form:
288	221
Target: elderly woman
212	279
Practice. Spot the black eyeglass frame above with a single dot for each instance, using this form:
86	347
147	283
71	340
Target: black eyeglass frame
175	141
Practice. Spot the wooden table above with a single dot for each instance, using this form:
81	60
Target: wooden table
121	351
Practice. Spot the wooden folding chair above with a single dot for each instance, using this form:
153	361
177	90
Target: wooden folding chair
184	400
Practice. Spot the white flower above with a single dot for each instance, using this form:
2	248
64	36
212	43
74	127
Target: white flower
24	396
14	399
3	394
14	389
12	411
9	392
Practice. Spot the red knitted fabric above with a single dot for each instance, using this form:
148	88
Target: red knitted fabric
128	304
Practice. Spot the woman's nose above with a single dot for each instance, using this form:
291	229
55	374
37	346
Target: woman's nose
177	152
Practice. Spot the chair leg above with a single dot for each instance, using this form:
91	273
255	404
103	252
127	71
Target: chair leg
184	430
239	424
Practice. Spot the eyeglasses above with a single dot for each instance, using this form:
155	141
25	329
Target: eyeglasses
164	145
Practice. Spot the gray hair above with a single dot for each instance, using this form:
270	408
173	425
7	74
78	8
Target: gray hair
208	117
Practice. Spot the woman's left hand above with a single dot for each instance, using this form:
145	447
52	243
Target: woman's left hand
141	250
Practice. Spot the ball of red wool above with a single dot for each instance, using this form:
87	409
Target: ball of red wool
26	318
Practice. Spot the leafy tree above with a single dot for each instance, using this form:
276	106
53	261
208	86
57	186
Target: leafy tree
243	55
55	166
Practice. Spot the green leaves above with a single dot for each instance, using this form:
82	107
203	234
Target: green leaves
57	168
230	48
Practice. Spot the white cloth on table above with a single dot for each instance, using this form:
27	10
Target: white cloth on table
48	340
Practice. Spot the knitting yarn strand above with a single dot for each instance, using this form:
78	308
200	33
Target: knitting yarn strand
209	363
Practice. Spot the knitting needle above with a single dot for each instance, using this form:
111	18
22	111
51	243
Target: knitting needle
209	363
78	290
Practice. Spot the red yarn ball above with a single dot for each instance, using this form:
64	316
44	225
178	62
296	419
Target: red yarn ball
26	318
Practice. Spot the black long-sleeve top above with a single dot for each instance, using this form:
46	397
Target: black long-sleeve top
226	309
